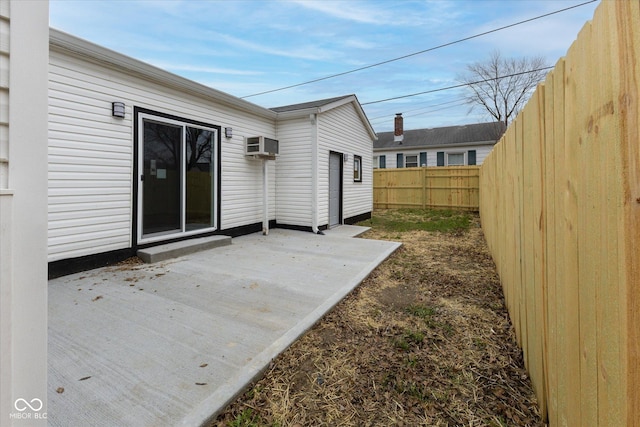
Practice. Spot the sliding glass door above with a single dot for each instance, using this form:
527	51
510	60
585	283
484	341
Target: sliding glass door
199	209
177	178
161	181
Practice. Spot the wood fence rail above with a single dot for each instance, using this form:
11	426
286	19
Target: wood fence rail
560	209
432	187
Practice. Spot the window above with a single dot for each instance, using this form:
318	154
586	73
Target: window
379	162
471	157
411	161
357	169
455	159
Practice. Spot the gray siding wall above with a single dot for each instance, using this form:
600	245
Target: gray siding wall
91	155
294	173
341	130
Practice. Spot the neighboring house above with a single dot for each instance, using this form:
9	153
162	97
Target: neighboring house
444	146
139	156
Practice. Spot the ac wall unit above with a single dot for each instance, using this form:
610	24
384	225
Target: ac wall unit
261	146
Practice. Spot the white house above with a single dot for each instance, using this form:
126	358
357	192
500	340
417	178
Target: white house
101	154
324	173
24	45
443	146
139	156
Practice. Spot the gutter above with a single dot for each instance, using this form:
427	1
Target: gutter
265	197
313	118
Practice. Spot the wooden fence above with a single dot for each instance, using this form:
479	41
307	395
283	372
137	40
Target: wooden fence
560	209
434	187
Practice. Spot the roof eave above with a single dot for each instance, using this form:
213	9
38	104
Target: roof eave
61	41
285	115
292	114
419	147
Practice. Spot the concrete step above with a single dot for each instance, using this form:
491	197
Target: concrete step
184	247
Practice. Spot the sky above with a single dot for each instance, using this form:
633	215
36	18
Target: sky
247	47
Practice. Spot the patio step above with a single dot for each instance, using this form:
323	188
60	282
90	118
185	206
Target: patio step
184	247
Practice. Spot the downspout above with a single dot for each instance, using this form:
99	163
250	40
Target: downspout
265	197
314	173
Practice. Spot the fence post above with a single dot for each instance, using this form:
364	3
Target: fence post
423	172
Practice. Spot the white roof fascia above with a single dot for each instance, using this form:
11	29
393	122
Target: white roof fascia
284	115
68	43
338	103
432	147
359	110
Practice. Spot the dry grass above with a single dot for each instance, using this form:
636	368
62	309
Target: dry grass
425	340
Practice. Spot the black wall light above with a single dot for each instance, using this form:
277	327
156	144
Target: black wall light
228	132
117	109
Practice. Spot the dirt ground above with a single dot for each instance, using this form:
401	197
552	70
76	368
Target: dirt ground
425	340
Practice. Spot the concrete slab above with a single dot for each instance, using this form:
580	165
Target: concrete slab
346	231
172	343
184	247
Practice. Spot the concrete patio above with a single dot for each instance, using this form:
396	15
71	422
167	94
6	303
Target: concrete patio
172	343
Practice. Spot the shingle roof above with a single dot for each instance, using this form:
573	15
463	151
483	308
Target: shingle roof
305	105
478	132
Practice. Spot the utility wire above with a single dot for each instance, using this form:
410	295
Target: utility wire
456	86
459	104
432	107
419	52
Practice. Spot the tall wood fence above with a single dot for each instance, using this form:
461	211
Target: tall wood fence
433	187
560	209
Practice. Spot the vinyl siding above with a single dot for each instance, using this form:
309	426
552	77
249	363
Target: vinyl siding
91	199
5	30
481	152
294	173
341	130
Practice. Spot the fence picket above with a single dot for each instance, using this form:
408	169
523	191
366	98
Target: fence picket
560	209
432	187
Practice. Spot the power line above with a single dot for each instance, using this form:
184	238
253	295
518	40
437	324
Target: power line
388	119
456	102
419	52
456	86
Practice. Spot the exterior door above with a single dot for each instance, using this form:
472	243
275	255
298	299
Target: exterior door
177	179
335	189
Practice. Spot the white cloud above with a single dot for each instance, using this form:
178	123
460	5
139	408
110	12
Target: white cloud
202	69
358	44
309	52
348	11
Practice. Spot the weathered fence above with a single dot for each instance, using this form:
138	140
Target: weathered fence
560	209
435	187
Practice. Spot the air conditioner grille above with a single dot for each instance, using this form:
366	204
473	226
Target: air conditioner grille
261	146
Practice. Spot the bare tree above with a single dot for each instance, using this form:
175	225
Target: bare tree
502	86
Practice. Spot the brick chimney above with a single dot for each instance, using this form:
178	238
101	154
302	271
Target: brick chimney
398	128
